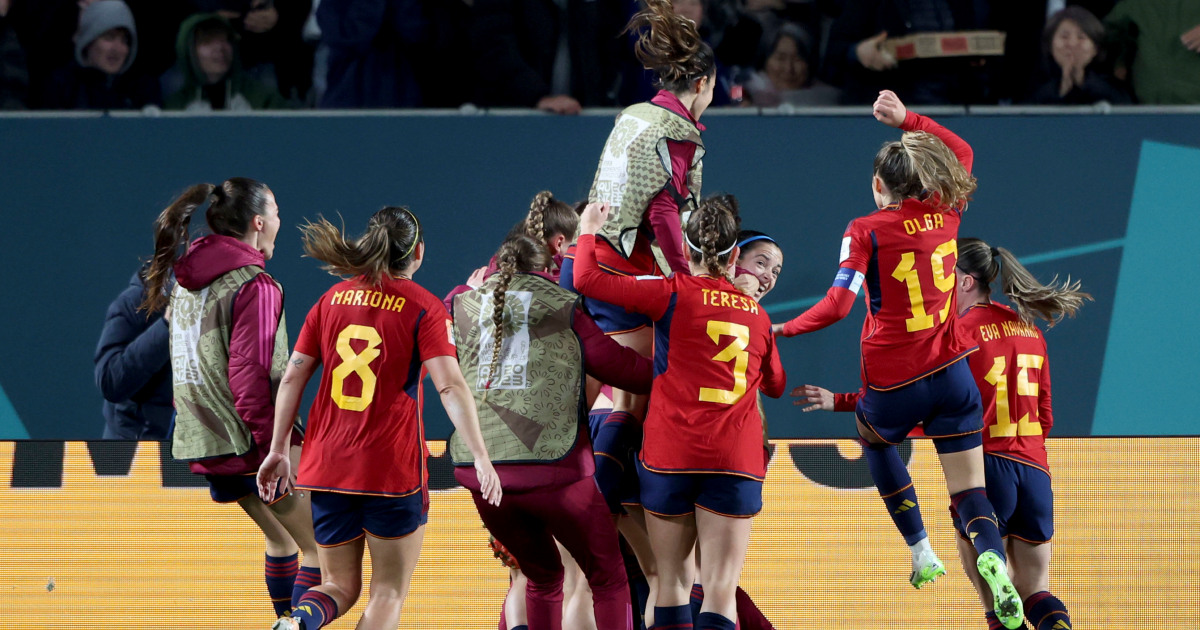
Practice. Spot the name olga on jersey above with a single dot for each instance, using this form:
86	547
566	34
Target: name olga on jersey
932	222
717	297
373	299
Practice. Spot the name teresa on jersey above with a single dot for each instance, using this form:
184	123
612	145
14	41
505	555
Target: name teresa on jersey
992	332
717	297
374	299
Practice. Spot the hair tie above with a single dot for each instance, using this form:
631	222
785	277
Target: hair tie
720	253
416	234
757	237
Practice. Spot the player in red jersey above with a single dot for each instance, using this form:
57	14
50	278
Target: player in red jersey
702	444
912	368
364	456
228	347
1012	372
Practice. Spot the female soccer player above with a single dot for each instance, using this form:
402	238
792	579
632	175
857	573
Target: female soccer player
703	433
759	265
228	350
364	457
526	346
1013	375
1018	475
912	366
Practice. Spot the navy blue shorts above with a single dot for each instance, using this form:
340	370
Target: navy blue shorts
233	488
679	494
611	318
615	445
946	403
1022	497
339	518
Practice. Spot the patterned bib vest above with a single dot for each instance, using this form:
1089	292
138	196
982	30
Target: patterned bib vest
206	422
636	166
532	409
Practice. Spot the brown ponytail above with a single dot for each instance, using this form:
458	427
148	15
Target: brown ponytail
920	163
548	217
711	230
670	45
521	253
1029	297
387	247
170	233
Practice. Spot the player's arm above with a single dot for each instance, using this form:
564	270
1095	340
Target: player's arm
774	379
460	406
256	314
839	299
276	468
1045	411
663	211
890	111
608	361
816	397
647	296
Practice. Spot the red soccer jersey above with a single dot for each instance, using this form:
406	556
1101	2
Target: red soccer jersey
713	349
904	255
1013	375
365	433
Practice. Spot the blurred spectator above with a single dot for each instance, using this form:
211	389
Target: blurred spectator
133	368
858	60
372	48
729	29
555	55
272	48
1024	23
786	72
14	74
1073	46
105	47
44	28
213	78
1158	49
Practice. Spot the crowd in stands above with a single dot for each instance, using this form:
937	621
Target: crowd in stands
565	55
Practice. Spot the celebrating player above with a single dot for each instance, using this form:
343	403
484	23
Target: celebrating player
228	350
703	433
364	458
525	347
912	368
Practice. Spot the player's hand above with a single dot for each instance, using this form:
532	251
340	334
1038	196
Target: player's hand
489	481
746	283
593	217
813	396
274	476
477	278
889	110
872	55
559	104
777	330
1191	39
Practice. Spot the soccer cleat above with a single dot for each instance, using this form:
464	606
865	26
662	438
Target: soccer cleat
1007	601
286	623
926	568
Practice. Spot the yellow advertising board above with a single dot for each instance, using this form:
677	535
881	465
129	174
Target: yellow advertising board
100	538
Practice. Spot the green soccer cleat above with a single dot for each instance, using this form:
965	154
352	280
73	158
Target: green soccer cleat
1007	601
286	623
926	569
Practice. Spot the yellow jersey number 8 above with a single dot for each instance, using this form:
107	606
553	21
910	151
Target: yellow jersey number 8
355	363
736	352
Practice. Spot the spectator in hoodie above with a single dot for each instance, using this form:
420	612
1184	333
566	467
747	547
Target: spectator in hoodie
133	368
213	78
105	47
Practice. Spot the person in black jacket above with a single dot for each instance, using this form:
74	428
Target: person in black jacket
555	55
1073	46
133	368
105	47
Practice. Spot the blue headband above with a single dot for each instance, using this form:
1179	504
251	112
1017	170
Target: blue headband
759	237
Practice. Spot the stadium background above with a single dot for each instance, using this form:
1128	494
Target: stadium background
1108	199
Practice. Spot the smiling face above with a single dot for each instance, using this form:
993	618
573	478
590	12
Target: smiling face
214	55
764	260
1071	46
785	68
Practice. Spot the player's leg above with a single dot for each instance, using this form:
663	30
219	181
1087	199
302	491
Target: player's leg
281	561
516	525
1031	530
633	528
294	513
884	419
724	509
577	595
514	617
392	563
338	528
